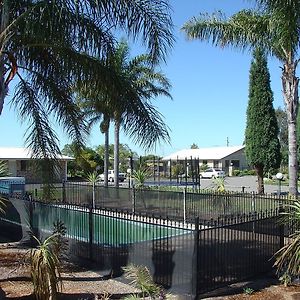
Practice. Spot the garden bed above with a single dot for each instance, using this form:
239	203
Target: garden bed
80	283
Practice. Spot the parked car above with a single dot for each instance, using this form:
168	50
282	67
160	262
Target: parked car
111	176
212	173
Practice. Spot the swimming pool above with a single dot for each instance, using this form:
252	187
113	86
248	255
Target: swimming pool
106	229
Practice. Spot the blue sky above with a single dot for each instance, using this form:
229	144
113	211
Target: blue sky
209	89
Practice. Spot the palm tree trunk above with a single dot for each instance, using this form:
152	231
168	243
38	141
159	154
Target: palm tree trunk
104	128
116	151
290	92
106	157
3	26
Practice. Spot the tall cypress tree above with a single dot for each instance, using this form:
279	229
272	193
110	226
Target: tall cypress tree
261	136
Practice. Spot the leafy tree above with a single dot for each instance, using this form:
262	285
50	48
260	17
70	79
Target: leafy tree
194	146
47	47
177	169
124	151
275	27
261	136
86	160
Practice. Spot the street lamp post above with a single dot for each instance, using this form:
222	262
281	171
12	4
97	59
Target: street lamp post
279	177
130	171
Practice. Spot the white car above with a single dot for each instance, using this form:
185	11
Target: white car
111	176
212	173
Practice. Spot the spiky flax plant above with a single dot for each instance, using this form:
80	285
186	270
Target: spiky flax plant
287	259
45	272
141	279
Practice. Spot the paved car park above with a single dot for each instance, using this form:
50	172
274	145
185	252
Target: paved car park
244	183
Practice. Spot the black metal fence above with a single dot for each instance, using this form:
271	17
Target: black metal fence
182	205
232	250
189	258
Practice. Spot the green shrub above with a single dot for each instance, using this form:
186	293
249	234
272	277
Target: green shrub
248	291
236	173
244	172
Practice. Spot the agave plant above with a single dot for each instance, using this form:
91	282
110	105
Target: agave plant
141	279
93	178
140	176
287	259
45	272
219	183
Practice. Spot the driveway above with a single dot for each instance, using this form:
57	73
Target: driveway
248	183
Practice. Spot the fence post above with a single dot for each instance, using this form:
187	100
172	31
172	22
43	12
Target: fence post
184	205
64	191
133	199
281	228
196	260
94	195
91	231
253	202
31	229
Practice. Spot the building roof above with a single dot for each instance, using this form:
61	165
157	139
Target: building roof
215	153
11	153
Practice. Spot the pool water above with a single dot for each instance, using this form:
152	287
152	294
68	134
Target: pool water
106	230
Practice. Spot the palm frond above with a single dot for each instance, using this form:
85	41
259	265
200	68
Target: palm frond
57	44
246	29
41	138
141	278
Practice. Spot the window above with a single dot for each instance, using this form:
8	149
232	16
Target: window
235	163
23	165
216	163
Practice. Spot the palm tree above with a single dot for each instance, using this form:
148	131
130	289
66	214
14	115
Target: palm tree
127	102
48	46
95	105
145	83
274	27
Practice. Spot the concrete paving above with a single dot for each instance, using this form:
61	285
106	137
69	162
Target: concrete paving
246	183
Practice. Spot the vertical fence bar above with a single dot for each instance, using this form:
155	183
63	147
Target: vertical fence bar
281	228
133	195
31	229
196	267
93	195
184	205
63	191
91	231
